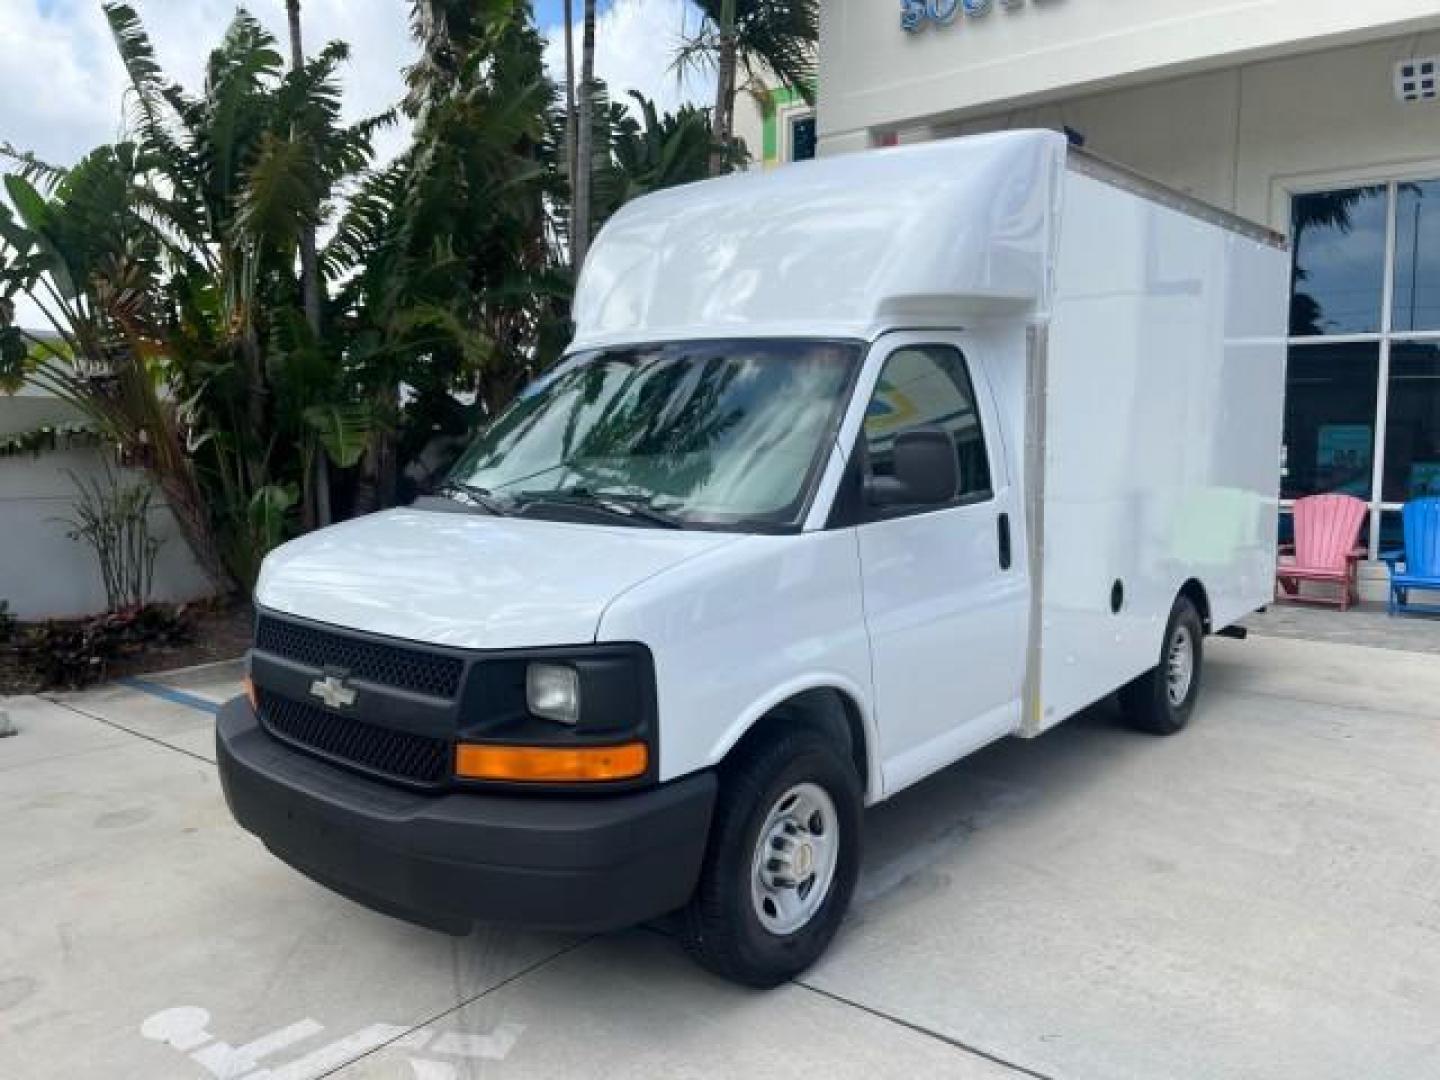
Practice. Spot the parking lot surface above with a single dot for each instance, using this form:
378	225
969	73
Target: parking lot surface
1257	897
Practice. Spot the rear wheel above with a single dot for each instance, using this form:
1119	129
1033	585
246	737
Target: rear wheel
1161	700
781	865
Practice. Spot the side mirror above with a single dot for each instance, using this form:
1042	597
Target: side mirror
927	471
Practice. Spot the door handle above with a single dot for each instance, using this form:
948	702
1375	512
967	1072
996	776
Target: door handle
1002	528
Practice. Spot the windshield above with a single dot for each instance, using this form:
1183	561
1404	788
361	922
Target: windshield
709	433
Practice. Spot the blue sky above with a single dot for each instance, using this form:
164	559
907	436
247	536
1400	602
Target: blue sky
552	12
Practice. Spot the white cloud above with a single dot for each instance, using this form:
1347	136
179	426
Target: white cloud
59	80
61	83
62	86
635	44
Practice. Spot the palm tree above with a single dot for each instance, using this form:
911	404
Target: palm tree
724	112
571	127
649	152
234	179
764	39
171	267
580	214
82	245
309	274
309	263
450	261
1325	210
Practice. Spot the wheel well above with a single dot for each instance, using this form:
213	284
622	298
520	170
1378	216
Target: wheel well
1195	593
830	711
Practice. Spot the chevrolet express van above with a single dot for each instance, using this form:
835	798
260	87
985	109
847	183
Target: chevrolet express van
852	468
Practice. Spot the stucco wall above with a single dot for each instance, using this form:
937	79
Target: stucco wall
874	75
42	572
765	125
750	126
1247	137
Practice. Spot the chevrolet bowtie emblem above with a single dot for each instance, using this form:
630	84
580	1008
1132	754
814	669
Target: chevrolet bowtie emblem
333	692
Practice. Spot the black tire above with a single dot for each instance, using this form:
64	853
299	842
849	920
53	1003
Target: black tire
721	927
1147	702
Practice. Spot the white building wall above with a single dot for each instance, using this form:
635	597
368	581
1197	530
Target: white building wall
43	573
876	77
1247	137
750	126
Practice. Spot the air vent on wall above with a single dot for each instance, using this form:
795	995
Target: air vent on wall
1416	79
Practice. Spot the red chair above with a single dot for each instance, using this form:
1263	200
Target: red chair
1326	530
1325	549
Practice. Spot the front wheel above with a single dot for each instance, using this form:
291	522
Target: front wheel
781	865
1161	700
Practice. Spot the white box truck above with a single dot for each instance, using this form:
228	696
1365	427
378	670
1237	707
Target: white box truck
853	468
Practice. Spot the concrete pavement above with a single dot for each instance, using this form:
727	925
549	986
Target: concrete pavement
1257	897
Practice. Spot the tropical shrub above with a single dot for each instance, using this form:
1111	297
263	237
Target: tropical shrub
75	653
182	326
111	516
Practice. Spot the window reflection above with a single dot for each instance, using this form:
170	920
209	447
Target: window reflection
1392	531
926	386
1417	257
1338	282
726	432
1412	426
1330	396
802	138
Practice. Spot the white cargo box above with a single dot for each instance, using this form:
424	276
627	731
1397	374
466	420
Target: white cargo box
1134	335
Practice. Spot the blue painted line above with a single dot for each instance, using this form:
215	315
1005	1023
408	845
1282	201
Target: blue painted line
168	693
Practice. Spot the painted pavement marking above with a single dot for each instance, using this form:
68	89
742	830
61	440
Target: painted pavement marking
185	1029
170	694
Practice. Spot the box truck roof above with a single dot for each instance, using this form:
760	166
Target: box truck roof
831	247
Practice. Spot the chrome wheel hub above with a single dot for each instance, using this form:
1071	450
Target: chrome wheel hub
1179	665
795	857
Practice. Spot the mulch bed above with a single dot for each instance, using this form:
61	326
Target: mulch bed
216	630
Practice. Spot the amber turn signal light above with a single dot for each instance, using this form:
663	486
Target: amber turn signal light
552	764
250	694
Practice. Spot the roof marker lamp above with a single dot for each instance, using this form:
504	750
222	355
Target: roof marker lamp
552	691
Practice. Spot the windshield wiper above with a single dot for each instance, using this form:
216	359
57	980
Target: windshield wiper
629	507
476	496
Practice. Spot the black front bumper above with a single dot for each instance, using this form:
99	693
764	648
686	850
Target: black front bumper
448	860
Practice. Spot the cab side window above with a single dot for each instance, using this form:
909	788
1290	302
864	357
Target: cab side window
928	386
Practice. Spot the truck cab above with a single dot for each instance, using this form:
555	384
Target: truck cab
799	519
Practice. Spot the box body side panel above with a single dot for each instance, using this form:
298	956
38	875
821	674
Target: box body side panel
1163	412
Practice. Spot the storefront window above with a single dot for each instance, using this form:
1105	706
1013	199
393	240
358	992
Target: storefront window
1417	257
802	138
1412	427
1392	532
1338	281
1330	419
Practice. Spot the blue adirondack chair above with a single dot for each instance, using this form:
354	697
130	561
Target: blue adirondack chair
1418	566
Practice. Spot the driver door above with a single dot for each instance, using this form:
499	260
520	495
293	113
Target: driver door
946	600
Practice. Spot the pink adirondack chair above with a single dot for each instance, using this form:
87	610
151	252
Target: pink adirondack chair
1326	530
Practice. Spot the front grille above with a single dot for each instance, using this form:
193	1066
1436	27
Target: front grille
416	759
389	665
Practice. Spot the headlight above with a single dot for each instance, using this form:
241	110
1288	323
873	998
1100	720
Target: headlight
553	691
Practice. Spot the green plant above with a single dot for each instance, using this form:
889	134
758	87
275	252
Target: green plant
173	270
7	623
77	653
112	517
648	150
59	436
767	41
